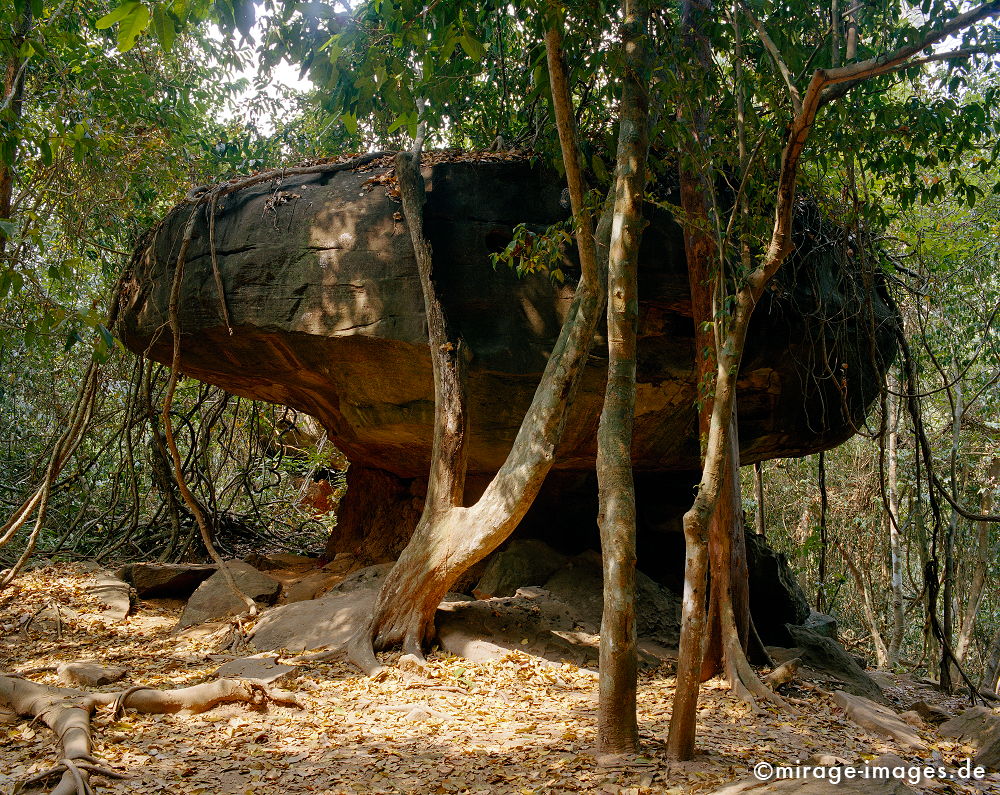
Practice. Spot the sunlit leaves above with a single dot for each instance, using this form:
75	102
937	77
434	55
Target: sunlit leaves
163	28
132	19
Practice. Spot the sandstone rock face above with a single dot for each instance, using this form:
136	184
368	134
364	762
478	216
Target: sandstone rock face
327	317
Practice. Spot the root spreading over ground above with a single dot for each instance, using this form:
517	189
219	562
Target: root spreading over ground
518	725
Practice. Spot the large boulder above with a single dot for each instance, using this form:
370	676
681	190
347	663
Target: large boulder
327	316
776	599
166	580
522	562
215	599
828	657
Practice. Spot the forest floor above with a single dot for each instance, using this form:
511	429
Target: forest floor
519	725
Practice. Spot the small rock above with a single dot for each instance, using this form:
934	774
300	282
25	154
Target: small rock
114	593
89	673
311	586
261	667
821	624
930	713
782	674
913	718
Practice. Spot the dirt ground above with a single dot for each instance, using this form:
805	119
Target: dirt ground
519	725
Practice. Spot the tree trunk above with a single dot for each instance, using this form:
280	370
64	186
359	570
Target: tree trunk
991	671
617	730
13	93
982	557
728	574
881	653
450	538
892	520
948	589
727	547
823	539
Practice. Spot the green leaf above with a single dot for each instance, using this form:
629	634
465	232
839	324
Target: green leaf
401	120
163	28
9	228
130	28
350	122
106	336
72	339
473	47
117	15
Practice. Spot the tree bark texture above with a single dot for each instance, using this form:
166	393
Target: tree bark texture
13	92
893	517
68	714
450	538
991	672
980	562
616	725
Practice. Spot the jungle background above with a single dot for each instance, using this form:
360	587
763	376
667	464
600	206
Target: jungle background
112	112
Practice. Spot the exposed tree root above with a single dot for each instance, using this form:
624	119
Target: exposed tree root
743	679
69	714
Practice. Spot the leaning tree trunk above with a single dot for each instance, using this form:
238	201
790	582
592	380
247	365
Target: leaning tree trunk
617	730
449	538
728	572
726	546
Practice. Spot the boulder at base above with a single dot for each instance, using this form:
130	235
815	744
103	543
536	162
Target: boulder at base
978	726
166	580
522	562
318	623
826	656
776	599
215	599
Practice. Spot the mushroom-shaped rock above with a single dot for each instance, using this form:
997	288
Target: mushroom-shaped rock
325	315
